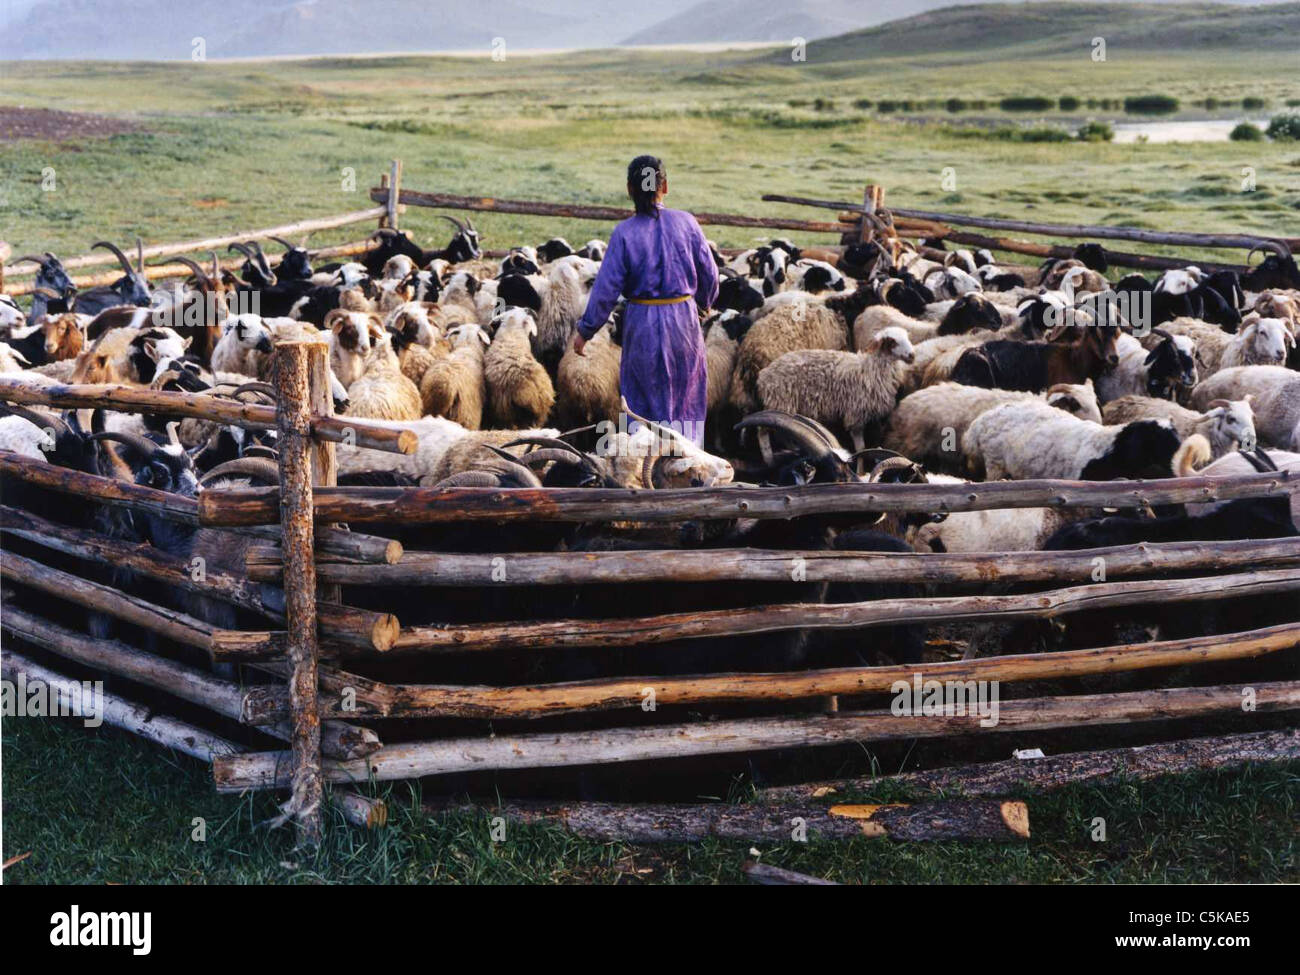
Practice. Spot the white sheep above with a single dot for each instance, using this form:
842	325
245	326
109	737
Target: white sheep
1274	393
381	391
1227	425
1263	341
848	389
245	341
929	424
1035	440
11	316
352	333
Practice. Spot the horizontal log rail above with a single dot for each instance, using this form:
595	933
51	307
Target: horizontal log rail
580	211
203	244
267	770
669	627
778	565
606	694
348	625
1137	234
202	406
120	713
358	505
1148	262
330	542
245	705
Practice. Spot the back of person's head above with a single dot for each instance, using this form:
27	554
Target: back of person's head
645	174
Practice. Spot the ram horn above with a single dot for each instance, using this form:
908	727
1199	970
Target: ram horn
545	442
547	455
890	464
266	389
516	470
126	264
806	440
254	468
471	479
263	451
1276	246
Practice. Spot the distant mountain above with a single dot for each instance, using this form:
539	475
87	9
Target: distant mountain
165	29
1041	29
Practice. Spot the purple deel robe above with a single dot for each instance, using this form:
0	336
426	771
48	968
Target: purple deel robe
662	375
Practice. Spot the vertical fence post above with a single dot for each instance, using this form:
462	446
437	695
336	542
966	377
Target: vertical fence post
394	192
5	252
292	374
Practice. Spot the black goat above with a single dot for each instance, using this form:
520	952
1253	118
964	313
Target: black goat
130	289
1277	270
51	284
463	246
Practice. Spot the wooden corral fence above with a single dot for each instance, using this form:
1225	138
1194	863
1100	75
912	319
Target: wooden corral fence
304	675
301	675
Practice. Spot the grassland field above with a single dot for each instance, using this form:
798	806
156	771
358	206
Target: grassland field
225	146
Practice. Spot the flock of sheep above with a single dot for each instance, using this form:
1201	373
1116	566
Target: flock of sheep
876	361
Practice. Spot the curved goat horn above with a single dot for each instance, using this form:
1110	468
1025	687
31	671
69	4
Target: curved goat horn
241	248
266	389
30	257
382	232
545	442
199	273
804	437
1276	246
471	479
459	226
254	468
141	445
126	264
36	418
548	455
282	242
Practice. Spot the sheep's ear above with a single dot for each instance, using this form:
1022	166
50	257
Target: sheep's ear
150	349
1064	401
1215	413
186	343
887	343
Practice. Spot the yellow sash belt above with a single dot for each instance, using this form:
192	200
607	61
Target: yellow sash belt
660	301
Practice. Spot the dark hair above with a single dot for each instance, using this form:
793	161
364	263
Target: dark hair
639	171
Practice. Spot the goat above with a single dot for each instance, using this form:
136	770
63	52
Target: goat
1033	366
130	289
51	284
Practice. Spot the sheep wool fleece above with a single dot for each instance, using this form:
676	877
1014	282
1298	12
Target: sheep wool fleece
663	374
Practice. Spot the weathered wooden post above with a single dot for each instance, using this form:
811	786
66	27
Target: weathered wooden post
295	365
5	252
394	192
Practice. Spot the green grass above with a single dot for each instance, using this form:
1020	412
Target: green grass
105	807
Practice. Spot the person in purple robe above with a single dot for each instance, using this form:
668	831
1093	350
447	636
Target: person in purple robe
660	261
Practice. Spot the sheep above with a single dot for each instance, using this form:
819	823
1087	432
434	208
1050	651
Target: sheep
593	250
452	386
130	355
877	318
929	424
352	333
653	457
1233	464
1031	440
1275	398
1033	366
814	325
558	298
587	385
245	341
520	392
996	530
849	389
459	300
381	390
1226	425
443	448
815	276
937	357
1162	368
1263	341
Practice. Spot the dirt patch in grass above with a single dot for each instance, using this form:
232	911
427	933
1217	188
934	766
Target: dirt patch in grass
17	122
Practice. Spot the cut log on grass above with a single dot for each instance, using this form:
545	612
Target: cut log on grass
593	634
1018	776
429	505
412	760
770	876
768	565
360	810
342	624
995	820
121	713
